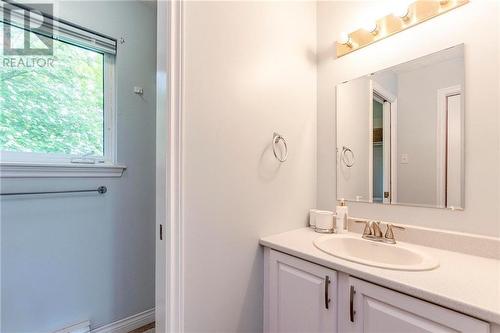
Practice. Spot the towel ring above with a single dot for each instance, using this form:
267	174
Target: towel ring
276	139
349	162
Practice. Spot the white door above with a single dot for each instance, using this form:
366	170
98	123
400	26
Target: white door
374	309
299	296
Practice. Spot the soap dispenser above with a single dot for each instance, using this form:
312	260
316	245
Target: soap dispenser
341	217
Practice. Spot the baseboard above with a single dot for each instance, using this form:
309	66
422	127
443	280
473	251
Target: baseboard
83	327
128	324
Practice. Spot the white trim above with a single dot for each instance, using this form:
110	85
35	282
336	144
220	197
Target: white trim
442	95
267	291
162	47
382	92
54	170
162	150
386	152
394	151
169	253
44	158
371	87
128	324
83	327
110	119
176	283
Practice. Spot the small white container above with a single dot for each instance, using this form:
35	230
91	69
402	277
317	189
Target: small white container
312	217
324	221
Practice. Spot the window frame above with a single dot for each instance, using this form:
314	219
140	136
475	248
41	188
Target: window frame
31	164
109	117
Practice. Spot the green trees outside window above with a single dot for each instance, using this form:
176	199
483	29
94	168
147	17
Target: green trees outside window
52	104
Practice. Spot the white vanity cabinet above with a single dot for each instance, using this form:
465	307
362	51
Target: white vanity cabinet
371	308
299	296
296	294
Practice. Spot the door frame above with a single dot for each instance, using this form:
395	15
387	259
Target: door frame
441	140
169	289
376	88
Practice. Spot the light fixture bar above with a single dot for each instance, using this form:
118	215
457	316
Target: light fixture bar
418	12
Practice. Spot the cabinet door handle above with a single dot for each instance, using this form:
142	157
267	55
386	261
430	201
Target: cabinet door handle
351	304
327	283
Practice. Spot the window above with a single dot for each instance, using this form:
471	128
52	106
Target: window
56	97
54	107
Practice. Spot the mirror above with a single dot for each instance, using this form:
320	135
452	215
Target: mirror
400	133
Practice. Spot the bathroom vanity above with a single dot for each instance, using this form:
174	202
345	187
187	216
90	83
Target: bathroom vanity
309	290
399	141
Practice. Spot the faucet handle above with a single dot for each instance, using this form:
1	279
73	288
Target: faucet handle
367	231
389	234
376	229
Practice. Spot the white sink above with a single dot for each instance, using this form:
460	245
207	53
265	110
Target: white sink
400	256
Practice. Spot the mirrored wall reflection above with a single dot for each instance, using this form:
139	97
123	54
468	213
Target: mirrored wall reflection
400	133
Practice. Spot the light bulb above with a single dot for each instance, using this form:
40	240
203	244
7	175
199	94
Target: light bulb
345	39
371	26
401	10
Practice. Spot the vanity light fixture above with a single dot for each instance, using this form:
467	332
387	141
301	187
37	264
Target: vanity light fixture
402	18
371	27
402	11
345	39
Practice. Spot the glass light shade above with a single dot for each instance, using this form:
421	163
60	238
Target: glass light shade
370	26
344	38
401	10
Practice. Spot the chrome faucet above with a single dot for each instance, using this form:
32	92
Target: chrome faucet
373	232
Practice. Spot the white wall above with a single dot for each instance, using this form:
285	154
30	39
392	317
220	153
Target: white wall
69	258
388	80
355	99
475	24
417	123
249	70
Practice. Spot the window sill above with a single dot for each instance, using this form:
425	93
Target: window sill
55	170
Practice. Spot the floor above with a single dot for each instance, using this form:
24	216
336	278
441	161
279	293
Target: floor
149	328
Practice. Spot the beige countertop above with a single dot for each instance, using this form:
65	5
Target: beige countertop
465	283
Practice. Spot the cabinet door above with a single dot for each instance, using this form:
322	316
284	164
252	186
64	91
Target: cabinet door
377	309
299	296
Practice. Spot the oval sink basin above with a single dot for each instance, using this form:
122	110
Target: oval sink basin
398	256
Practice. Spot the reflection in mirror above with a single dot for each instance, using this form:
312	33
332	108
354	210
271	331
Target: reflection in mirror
400	137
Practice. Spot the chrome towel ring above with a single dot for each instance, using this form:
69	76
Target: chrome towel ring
276	139
347	157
